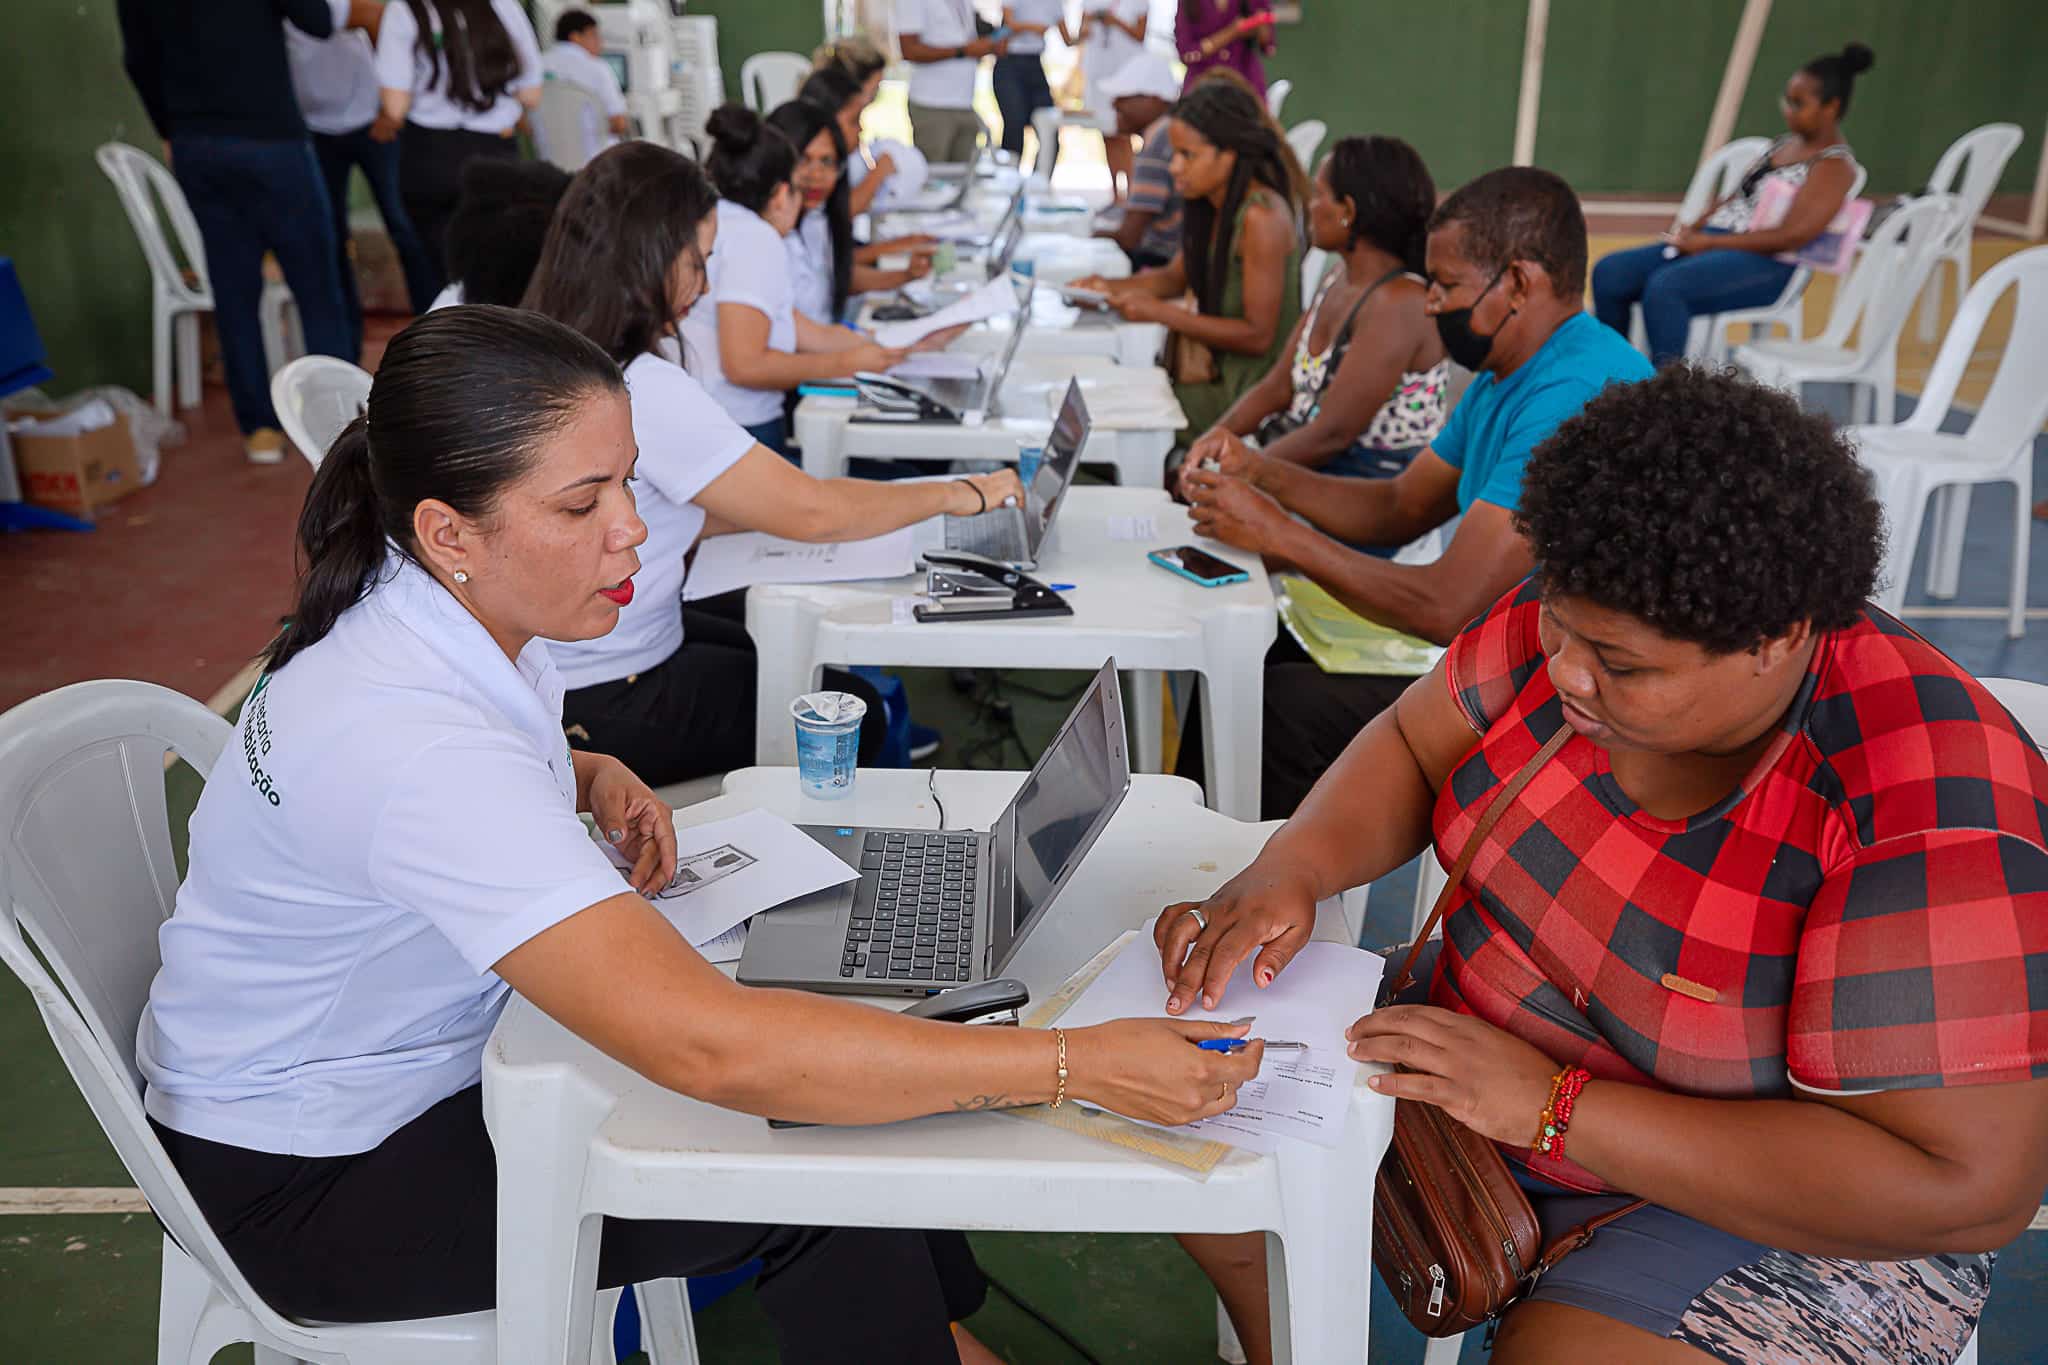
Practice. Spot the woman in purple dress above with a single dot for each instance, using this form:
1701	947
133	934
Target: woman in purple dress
1233	33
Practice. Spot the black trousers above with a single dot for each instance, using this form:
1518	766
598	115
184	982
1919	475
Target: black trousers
430	162
408	1229
1309	717
693	713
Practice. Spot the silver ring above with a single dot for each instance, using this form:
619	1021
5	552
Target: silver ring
1200	918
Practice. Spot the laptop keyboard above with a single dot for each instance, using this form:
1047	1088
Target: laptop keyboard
997	534
919	926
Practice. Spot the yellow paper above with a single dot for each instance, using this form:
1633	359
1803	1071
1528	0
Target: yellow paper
1342	641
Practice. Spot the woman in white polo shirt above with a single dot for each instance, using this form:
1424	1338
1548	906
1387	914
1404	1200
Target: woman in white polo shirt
671	689
459	75
405	852
751	347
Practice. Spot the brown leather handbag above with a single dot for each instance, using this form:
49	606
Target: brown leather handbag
1453	1235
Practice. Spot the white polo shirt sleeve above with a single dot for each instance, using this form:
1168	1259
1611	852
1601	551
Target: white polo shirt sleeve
397	35
525	43
686	440
751	266
515	863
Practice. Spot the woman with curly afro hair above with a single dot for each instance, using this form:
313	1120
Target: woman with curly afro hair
1763	941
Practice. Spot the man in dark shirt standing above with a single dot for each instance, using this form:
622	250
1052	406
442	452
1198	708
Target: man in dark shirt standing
213	77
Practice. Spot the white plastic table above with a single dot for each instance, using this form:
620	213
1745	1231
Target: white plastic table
580	1137
1124	606
829	436
1059	329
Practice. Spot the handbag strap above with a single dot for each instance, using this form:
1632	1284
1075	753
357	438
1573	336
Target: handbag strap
1404	978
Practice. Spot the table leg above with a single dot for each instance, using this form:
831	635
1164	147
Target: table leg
1233	722
1321	1293
822	437
1148	721
785	635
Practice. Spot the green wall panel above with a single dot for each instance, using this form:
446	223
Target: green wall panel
60	219
1441	76
749	26
1942	69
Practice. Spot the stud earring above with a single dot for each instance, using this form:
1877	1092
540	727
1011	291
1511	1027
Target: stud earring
461	576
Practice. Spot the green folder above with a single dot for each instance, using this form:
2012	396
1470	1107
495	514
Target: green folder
1342	641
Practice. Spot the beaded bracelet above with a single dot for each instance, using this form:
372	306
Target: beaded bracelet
1557	1113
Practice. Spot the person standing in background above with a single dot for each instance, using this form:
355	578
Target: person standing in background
336	81
1142	94
1237	34
214	80
1019	75
459	75
1111	35
940	40
578	58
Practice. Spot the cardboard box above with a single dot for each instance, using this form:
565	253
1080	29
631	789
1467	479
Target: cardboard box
77	474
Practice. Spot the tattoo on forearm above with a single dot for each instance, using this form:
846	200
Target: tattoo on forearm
975	1103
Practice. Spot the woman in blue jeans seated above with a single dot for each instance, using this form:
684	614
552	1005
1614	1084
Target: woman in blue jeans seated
1726	260
1364	384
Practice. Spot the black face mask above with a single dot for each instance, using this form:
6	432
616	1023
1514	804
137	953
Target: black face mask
1463	345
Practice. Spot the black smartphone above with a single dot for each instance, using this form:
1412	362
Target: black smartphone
1198	565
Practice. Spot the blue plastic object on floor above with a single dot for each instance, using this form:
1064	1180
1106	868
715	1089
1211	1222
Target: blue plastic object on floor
896	707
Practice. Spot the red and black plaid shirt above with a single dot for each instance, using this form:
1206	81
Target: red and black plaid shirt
1870	906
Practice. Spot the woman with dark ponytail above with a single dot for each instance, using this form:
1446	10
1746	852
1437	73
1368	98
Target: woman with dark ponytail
457	76
1239	256
405	852
1364	385
750	347
1725	260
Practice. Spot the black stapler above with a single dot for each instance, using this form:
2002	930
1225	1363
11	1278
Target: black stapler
889	400
984	589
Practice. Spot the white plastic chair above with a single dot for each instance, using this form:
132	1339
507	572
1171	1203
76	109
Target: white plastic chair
1873	301
2028	702
769	79
1276	96
569	127
175	303
1913	459
1045	123
86	872
1707	339
1985	151
1313	262
315	397
1305	138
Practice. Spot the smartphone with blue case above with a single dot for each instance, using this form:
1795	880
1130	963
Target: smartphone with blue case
1198	566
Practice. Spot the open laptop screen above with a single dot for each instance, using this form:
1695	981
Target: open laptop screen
1056	470
1063	806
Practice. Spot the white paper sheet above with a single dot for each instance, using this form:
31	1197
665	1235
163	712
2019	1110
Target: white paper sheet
995	299
731	869
1133	528
752	558
727	947
939	365
1303	1096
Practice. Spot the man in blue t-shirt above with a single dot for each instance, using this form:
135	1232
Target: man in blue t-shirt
1507	279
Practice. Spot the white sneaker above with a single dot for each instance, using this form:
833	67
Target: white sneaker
265	445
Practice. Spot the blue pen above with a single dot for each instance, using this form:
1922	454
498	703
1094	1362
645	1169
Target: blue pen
1061	587
1239	1044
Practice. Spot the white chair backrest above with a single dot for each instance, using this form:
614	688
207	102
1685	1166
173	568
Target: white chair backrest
1719	174
569	126
2027	701
768	79
2016	404
136	174
1276	96
1313	262
1984	151
86	872
1305	137
315	397
1881	286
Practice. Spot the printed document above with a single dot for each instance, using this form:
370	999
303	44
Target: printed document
729	870
750	559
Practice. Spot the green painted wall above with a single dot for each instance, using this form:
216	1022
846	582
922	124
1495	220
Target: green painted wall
749	26
59	218
1628	86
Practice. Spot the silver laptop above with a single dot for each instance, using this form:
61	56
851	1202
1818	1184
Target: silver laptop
1004	250
934	909
1016	535
983	395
